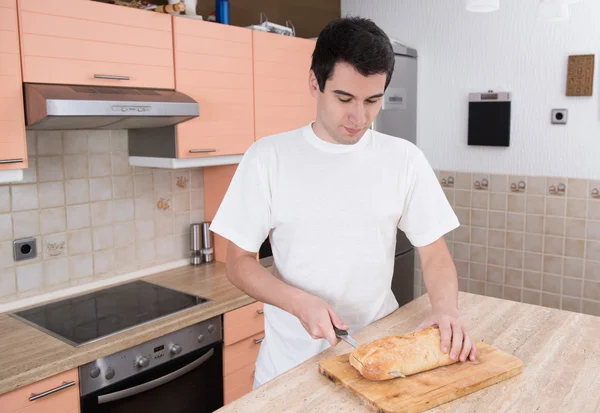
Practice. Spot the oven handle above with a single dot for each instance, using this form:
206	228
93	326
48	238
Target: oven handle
156	382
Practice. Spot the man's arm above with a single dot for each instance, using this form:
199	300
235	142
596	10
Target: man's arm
439	274
247	274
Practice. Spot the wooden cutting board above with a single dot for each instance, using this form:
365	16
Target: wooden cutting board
428	389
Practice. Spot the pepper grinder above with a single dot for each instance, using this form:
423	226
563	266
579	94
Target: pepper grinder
207	251
196	244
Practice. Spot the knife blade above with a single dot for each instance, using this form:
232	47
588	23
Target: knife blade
343	334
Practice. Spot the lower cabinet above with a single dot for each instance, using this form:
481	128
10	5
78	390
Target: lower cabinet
243	333
56	394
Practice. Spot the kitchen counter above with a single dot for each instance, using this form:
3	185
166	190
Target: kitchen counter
559	349
28	355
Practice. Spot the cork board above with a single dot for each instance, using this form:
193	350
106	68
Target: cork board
580	75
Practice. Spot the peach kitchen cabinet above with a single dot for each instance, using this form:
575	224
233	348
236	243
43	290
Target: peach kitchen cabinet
56	394
243	332
282	100
93	43
213	65
13	145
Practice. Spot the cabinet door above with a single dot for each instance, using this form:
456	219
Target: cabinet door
213	65
282	100
93	43
13	146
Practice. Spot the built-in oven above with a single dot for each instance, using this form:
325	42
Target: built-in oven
178	373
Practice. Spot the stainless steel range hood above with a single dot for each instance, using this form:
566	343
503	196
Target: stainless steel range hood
52	106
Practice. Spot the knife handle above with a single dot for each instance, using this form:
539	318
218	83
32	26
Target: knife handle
339	332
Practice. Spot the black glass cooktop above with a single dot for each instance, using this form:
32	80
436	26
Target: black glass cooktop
91	316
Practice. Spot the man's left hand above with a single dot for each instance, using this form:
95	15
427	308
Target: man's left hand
453	333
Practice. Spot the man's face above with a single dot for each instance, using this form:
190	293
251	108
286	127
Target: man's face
349	102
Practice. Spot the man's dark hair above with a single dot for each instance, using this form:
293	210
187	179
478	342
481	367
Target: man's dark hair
354	40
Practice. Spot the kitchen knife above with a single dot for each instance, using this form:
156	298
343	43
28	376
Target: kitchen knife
343	334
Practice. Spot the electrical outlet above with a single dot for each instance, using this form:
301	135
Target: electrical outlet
559	116
25	249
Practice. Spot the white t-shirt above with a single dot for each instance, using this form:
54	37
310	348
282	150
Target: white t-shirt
331	212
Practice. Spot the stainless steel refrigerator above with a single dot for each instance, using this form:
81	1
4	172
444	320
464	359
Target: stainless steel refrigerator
398	117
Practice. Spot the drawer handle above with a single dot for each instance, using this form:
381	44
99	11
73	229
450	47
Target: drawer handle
202	150
258	340
261	311
65	385
18	160
113	77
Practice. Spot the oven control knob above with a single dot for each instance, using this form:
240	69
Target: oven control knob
143	362
211	328
176	349
110	373
95	372
200	338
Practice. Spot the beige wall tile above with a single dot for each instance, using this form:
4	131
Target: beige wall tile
164	248
572	286
56	272
464	215
101	189
144	207
123	210
495	274
119	163
479	218
576	208
75	142
98	141
556	182
449	195
513	277
102	238
551	300
498	202
591	290
516	180
532	261
575	228
499	183
497	220
81	266
181	202
119	141
77	191
146	251
463	285
480	199
574	248
6	232
54	245
5	198
516	202
593	209
481	179
534	224
102	213
532	297
124	234
493	290
555	226
476	287
78	216
515	222
577	188
26	224
514	259
30	278
592	270
163	224
532	280
555	206
554	245
24	197
122	186
590	307
30	173
553	264
536	185
513	294
6	254
479	236
462	251
535	204
126	259
79	242
496	256
49	142
52	220
76	166
143	184
462	268
99	165
478	253
462	198
571	304
104	261
8	282
592	250
145	230
593	230
551	283
515	240
497	238
51	194
477	271
573	267
162	180
50	168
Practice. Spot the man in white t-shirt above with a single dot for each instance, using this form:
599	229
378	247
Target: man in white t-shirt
330	196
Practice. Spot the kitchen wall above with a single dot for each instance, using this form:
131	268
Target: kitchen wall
93	215
507	50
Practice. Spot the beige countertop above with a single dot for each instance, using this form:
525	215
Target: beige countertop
559	349
28	355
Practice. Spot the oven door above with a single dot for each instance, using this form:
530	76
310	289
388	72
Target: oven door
190	383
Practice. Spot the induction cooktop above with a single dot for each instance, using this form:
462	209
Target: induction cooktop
86	318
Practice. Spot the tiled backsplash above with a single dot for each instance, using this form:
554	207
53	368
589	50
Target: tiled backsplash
526	238
93	215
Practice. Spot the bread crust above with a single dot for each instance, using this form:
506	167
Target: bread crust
408	354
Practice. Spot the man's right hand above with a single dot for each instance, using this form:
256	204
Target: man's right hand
317	317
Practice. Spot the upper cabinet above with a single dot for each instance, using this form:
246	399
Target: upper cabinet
282	100
92	43
213	65
13	147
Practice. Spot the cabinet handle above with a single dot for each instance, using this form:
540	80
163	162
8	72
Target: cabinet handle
258	340
65	385
261	311
114	77
18	160
202	150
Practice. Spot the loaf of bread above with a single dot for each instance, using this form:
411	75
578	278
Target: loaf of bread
408	354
